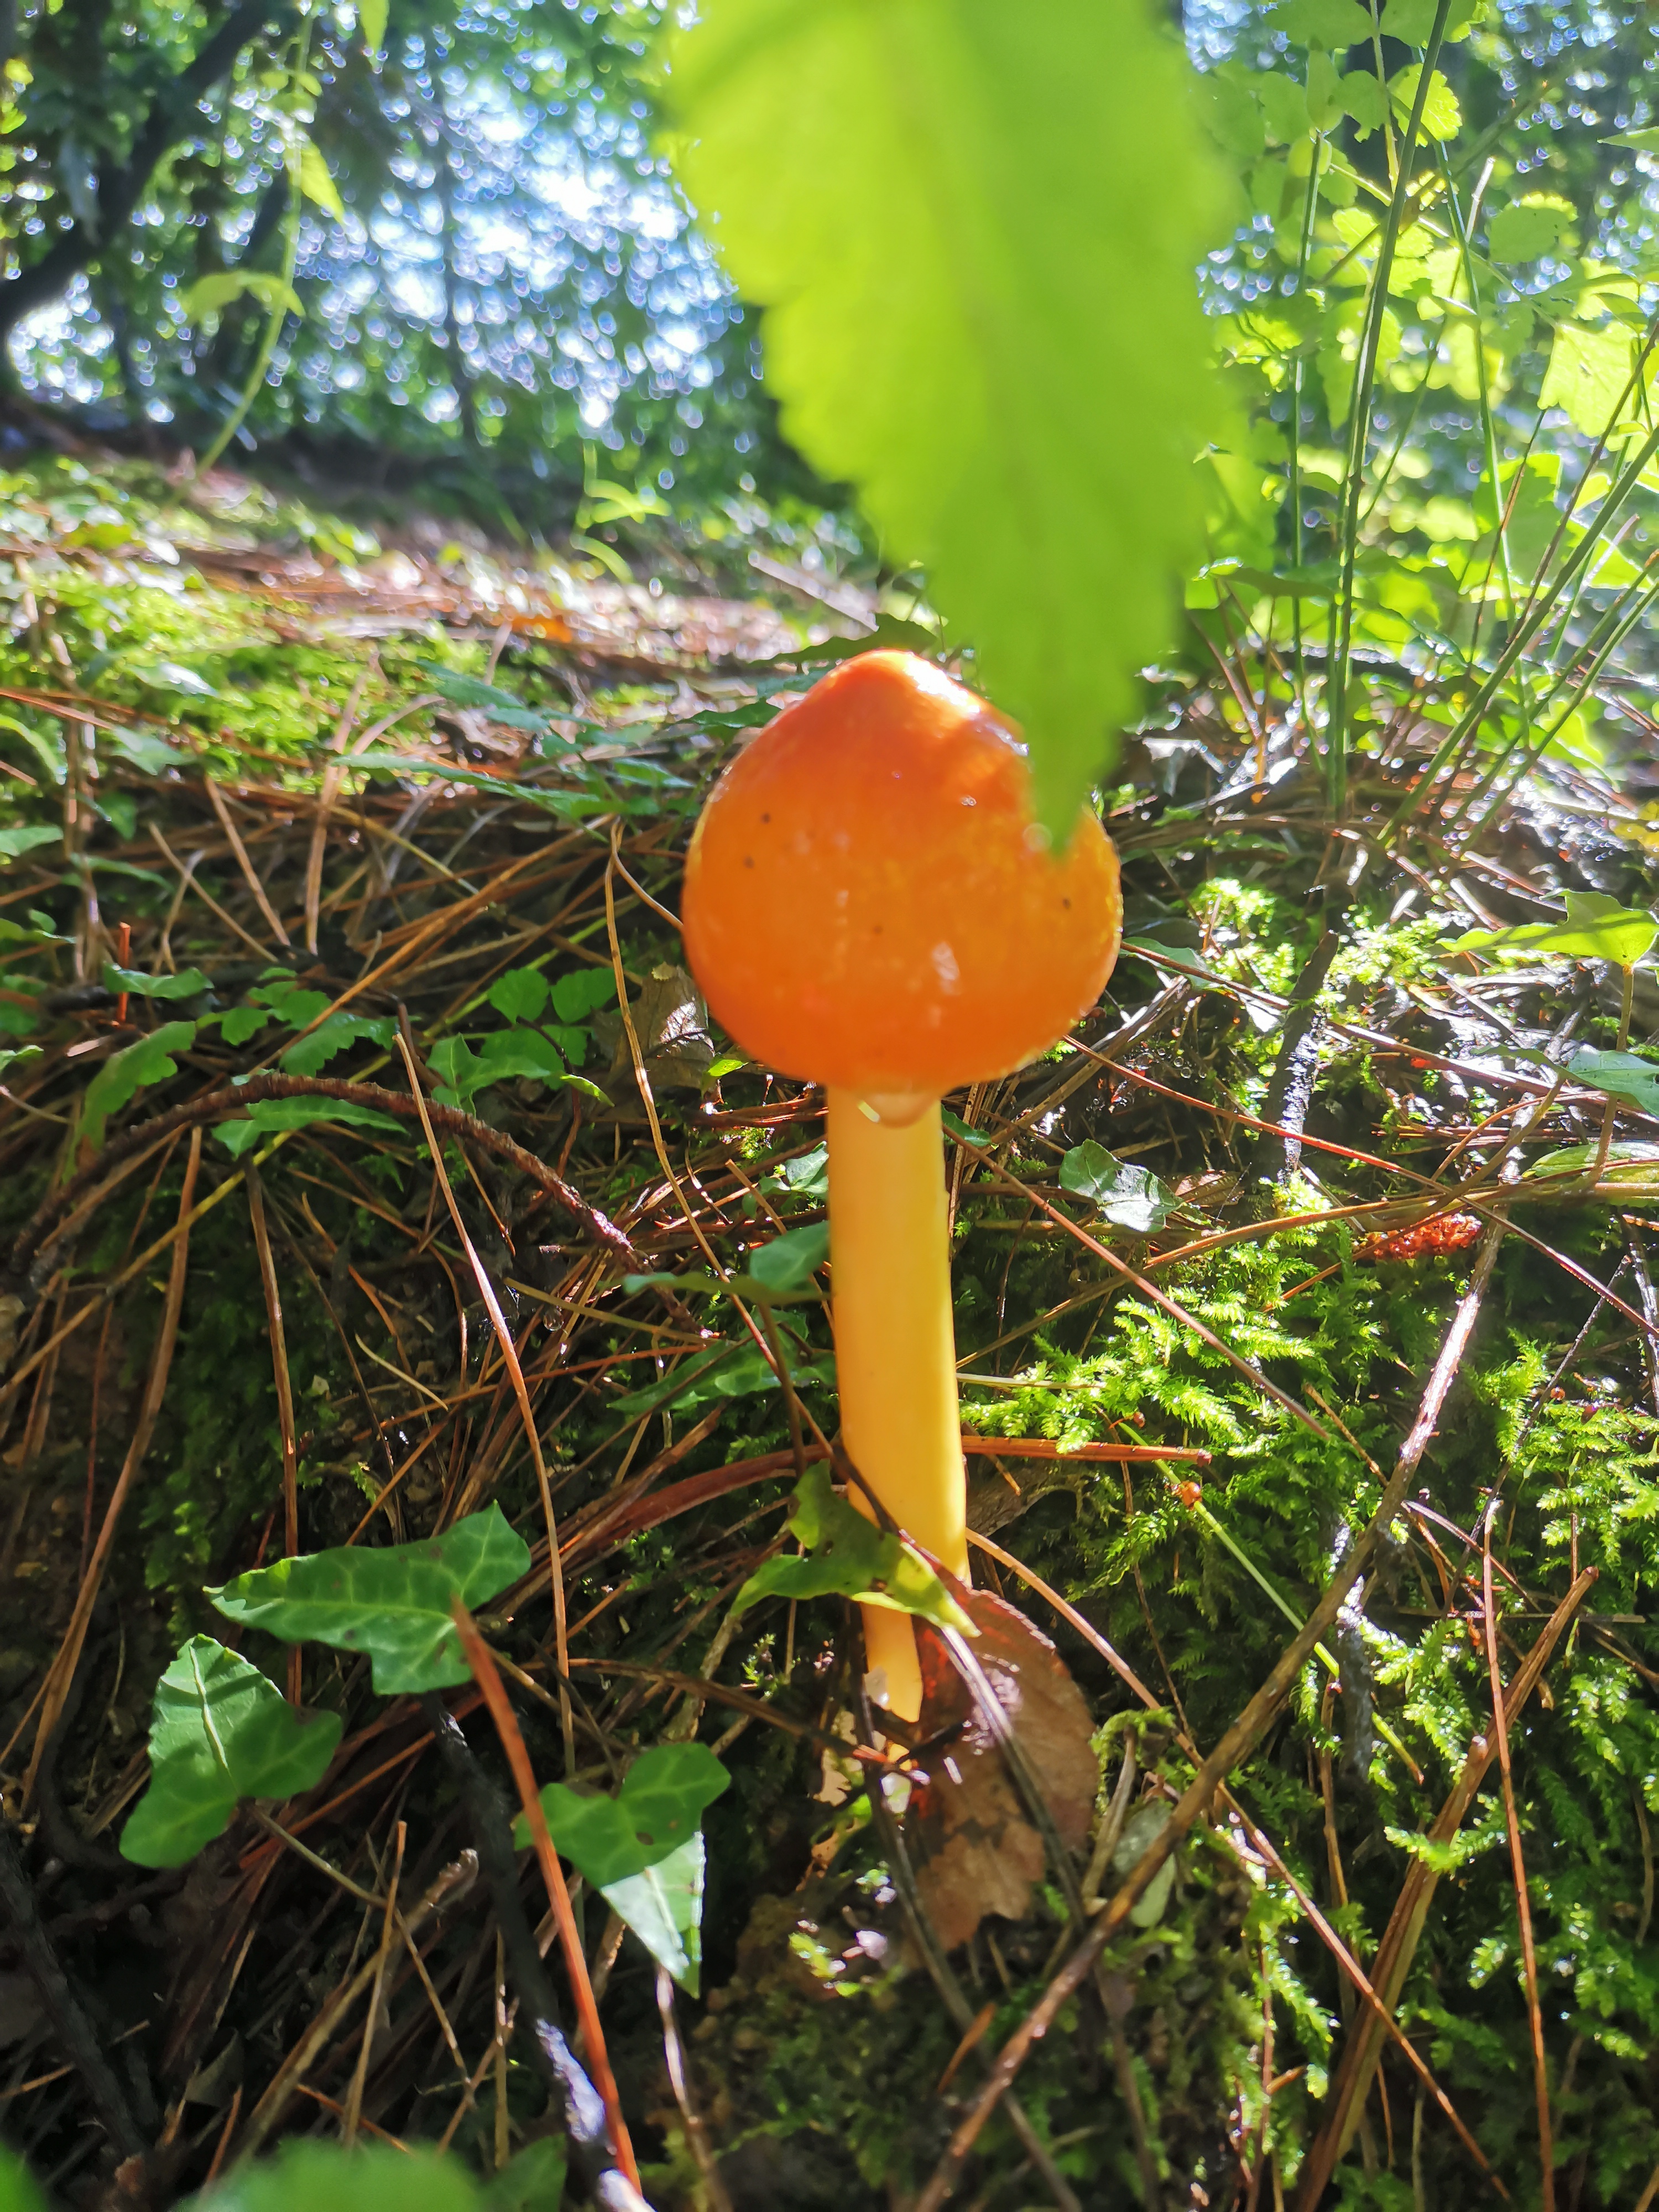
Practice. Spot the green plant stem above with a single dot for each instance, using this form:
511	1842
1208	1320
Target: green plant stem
1336	719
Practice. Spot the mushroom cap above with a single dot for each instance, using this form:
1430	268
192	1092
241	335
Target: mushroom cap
868	902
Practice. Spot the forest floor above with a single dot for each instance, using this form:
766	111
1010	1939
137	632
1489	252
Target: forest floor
1310	1214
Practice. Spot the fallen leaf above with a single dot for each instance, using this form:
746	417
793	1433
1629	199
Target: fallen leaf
976	1852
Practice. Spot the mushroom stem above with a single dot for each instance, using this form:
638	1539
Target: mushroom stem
890	1251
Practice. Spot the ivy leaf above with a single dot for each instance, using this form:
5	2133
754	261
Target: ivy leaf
1597	928
1620	1074
657	1810
643	1849
221	1732
1129	1197
149	1061
326	2177
785	1265
267	1115
807	1177
188	983
663	1908
944	237
393	1603
520	994
847	1556
14	843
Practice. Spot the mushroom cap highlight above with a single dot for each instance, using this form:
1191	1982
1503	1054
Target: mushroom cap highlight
868	903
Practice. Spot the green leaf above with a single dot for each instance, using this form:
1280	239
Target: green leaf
188	983
531	2182
1140	1832
1443	117
14	843
318	185
520	994
17	2190
1331	24
393	1603
21	1056
149	1061
643	1849
807	1177
583	992
1589	374
1528	227
657	1810
1362	97
1597	928
243	1021
267	1115
1411	21
1630	1172
471	691
847	1556
945	237
1639	141
1131	1197
320	2177
210	293
221	1732
518	1051
1620	1074
663	1908
333	1036
785	1265
729	1371
371	21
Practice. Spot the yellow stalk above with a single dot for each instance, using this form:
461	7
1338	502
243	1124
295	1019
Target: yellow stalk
890	1251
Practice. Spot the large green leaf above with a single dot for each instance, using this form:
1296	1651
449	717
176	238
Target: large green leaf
124	1074
319	2176
1597	928
643	1848
977	268
220	1732
394	1603
847	1556
1620	1074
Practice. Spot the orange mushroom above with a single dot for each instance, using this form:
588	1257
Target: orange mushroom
869	904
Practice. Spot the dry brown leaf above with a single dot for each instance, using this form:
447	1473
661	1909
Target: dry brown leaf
975	1850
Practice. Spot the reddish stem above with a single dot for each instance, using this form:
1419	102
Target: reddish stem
481	1660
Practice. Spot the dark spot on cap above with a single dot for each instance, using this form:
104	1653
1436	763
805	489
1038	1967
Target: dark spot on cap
749	859
765	818
1066	903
